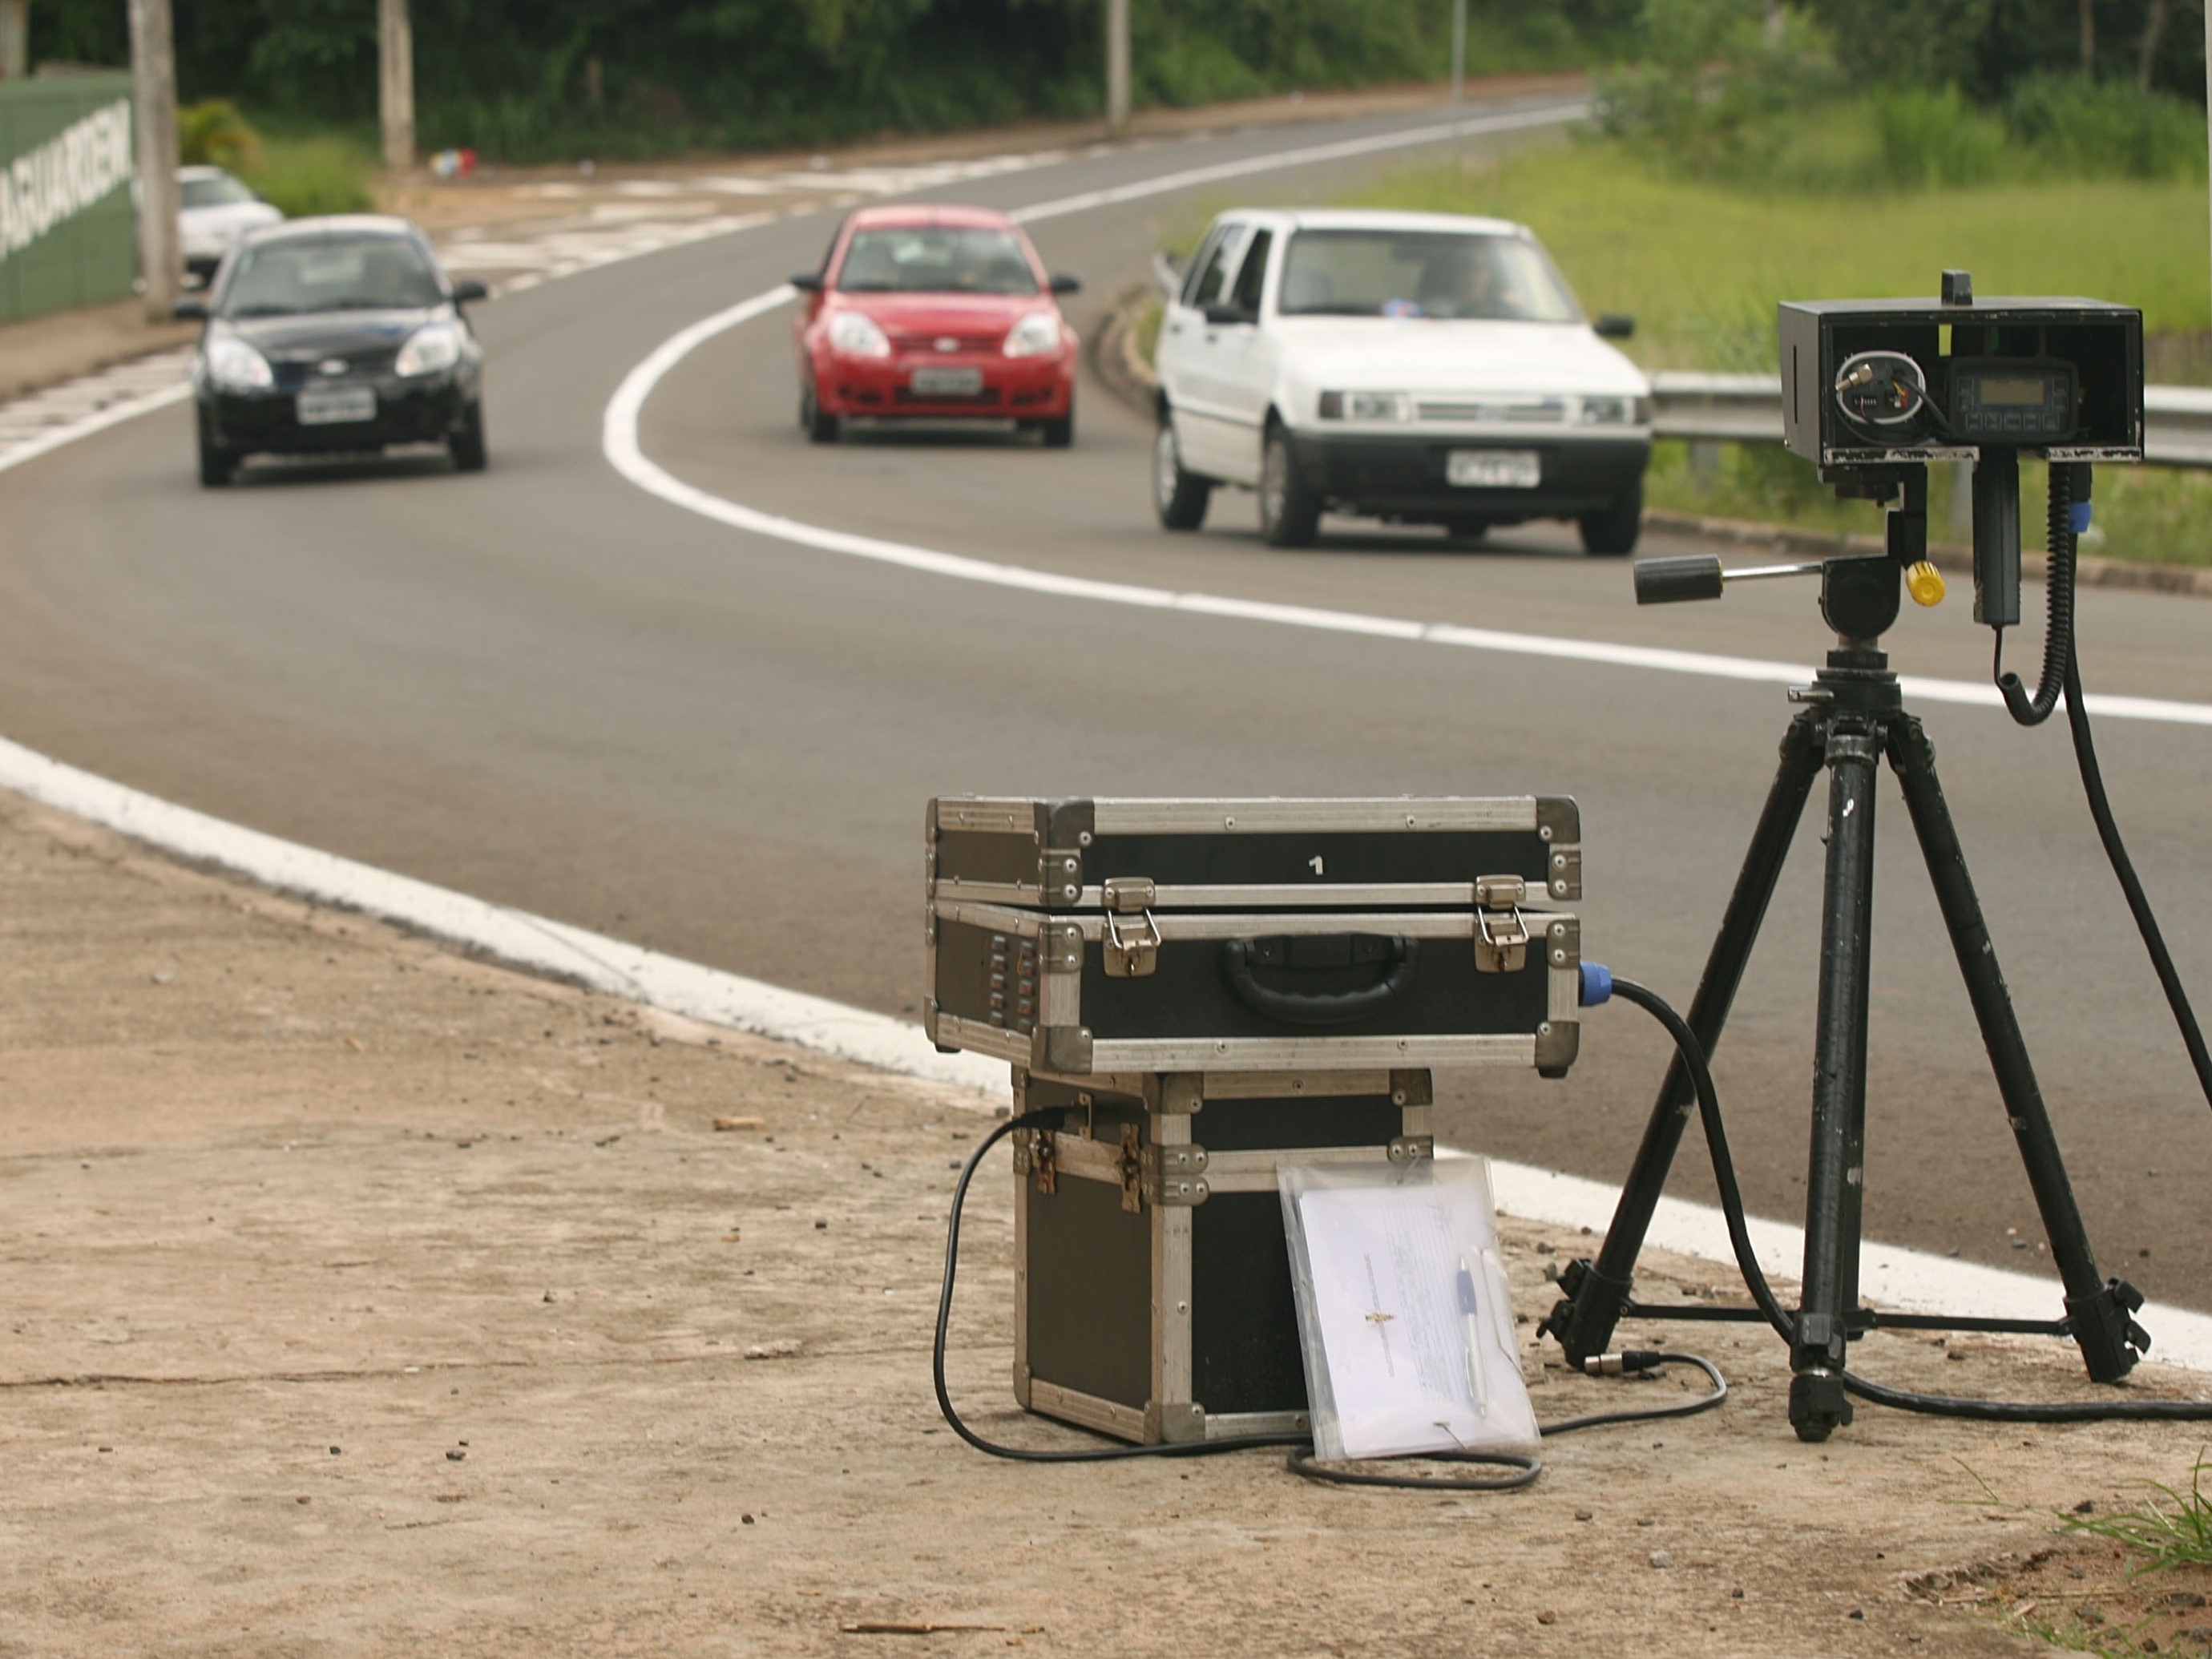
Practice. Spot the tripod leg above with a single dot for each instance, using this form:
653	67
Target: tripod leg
1584	1320
1834	1178
2110	1341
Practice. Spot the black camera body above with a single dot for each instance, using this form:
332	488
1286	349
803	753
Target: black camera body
1880	383
1873	390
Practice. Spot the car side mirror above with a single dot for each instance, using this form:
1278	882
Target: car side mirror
1062	282
1614	326
808	282
464	292
189	309
1223	316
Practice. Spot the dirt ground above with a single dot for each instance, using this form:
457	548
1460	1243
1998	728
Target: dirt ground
361	1298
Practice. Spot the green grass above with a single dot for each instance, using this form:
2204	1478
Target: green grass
2171	1528
312	175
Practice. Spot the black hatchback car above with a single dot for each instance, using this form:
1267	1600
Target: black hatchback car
335	336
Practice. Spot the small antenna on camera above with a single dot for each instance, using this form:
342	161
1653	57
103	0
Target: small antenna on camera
1958	288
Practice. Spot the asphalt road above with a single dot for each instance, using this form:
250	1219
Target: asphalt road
543	687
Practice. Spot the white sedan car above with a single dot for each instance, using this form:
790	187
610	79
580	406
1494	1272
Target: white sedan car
213	209
1419	368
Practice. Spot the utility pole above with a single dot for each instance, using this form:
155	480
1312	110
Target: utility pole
1459	52
2088	40
395	99
1117	67
14	40
153	96
2208	75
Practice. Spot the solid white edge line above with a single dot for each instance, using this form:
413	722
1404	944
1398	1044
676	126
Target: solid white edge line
1904	1279
516	936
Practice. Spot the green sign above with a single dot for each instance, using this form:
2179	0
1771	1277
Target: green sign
68	231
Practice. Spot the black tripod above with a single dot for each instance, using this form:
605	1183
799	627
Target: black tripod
1855	716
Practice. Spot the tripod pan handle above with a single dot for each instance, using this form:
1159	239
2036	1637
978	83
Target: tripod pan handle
1669	582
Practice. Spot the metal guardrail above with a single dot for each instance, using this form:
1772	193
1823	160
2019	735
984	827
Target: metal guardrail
1747	408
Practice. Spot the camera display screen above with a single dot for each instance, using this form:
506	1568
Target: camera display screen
2015	394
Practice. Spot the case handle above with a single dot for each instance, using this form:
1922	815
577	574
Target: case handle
1322	1007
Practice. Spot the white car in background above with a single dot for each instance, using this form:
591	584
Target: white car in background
213	209
1419	368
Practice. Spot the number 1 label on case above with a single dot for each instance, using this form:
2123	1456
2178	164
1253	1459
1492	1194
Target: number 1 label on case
1315	861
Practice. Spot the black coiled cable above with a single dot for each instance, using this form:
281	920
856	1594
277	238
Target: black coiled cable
2058	591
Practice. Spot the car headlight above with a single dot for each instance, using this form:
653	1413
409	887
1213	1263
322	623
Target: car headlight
429	348
1607	411
856	335
1035	335
1366	406
237	366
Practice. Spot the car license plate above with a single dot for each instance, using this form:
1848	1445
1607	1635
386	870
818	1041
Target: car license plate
946	382
335	405
1494	469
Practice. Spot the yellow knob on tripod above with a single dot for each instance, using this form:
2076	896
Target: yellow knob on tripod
1925	583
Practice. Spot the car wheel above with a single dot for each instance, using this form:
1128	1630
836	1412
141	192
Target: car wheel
1612	532
1290	511
820	428
1179	497
216	463
1059	429
467	446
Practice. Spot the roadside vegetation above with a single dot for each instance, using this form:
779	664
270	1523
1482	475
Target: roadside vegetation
544	80
319	173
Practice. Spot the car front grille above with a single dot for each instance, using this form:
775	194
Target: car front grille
293	372
1529	412
963	343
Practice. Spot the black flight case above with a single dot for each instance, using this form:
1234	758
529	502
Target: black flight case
1200	991
1080	937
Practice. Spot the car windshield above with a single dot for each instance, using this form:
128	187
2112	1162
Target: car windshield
361	273
935	260
219	191
1440	274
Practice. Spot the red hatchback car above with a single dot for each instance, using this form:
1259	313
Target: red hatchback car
930	312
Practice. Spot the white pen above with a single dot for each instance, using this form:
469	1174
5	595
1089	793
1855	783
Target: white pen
1474	1328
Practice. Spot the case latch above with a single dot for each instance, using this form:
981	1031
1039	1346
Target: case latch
1127	895
1501	942
1135	954
1498	892
1132	1170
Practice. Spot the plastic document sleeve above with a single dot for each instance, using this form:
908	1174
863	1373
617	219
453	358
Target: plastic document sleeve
1403	1312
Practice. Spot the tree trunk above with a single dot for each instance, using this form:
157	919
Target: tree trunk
14	40
396	83
2153	37
1117	67
154	89
2090	40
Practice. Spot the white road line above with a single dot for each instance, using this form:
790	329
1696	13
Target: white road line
1903	1279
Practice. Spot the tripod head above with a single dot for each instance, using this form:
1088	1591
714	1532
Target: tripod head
1859	592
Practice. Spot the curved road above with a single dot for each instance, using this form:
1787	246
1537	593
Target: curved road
542	686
